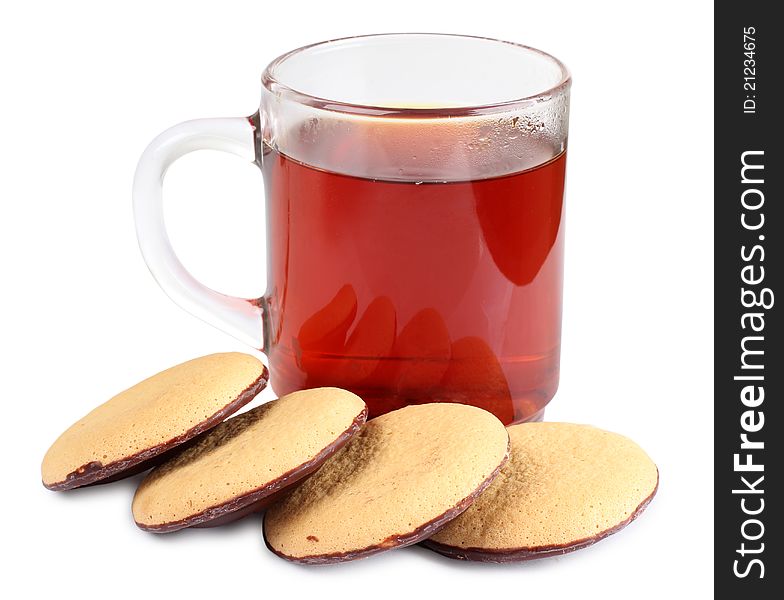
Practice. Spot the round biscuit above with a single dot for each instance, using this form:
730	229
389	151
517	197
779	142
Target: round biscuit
246	461
403	476
132	430
565	487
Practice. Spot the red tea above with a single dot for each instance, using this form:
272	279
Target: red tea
413	292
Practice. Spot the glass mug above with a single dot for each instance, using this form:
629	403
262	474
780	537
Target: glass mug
414	196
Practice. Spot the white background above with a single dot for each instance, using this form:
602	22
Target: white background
87	84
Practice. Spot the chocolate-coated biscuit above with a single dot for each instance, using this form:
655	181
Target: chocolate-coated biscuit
133	430
565	487
403	476
248	460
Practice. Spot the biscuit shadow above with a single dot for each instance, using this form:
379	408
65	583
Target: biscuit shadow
126	485
451	563
240	527
421	553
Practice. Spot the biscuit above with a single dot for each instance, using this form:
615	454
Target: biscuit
132	430
403	476
565	487
242	464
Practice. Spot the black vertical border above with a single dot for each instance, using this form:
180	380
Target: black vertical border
736	132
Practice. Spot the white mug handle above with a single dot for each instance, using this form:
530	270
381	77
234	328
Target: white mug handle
239	317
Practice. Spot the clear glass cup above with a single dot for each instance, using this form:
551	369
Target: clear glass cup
414	192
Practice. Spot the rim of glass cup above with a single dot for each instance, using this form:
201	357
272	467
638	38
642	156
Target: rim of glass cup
276	86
